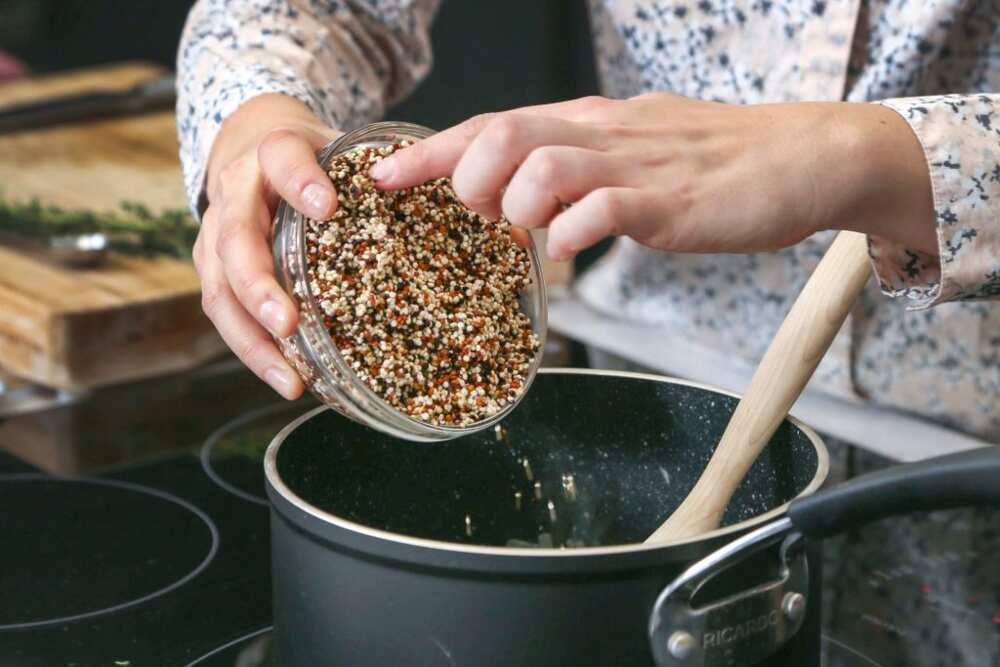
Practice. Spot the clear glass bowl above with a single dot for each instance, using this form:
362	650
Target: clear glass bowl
310	349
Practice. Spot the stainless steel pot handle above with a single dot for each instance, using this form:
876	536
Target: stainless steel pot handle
740	629
750	625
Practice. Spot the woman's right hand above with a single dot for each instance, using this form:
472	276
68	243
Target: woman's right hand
264	151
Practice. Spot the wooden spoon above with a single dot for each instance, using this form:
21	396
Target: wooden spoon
801	341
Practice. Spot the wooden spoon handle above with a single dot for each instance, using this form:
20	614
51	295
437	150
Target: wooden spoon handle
801	341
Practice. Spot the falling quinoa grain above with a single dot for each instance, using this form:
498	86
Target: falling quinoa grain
421	295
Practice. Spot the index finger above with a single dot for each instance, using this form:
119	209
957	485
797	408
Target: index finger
437	155
429	158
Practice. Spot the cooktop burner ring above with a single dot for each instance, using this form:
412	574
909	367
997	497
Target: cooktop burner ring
136	488
213	439
839	645
219	649
851	650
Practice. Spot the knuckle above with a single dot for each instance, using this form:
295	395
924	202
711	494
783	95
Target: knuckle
543	167
593	107
211	299
593	101
504	131
248	282
228	237
250	350
231	173
609	205
468	185
655	95
273	139
479	122
470	193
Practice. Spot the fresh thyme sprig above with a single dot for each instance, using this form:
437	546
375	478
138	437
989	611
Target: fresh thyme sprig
132	230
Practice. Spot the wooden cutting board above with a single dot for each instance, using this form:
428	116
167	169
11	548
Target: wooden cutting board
130	317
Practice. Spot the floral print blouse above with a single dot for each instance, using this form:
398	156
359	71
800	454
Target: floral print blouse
935	62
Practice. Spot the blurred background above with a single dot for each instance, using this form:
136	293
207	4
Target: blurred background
81	339
110	371
552	61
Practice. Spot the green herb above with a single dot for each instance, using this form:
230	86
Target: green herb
133	230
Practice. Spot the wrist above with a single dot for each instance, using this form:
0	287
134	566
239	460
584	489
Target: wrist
880	176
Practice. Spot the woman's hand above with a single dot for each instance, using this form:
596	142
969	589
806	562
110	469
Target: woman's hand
684	175
264	151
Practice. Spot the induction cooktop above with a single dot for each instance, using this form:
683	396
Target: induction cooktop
165	562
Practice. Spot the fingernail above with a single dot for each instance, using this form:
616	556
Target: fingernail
274	317
317	199
383	170
280	380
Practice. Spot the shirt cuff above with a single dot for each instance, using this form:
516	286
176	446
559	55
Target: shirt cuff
958	134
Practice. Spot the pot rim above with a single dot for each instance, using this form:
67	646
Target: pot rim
278	486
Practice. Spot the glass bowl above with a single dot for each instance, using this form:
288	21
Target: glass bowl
310	349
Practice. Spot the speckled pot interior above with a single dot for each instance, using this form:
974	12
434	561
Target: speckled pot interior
633	446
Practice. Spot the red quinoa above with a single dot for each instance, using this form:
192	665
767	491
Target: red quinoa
420	295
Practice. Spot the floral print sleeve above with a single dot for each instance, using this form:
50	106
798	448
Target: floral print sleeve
345	59
960	135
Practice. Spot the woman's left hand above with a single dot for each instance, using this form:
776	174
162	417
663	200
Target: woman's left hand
684	175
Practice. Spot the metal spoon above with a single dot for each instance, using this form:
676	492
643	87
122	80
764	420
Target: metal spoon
80	250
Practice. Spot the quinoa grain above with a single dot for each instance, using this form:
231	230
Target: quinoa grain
420	295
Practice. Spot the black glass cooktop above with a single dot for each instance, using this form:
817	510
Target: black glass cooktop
165	562
162	563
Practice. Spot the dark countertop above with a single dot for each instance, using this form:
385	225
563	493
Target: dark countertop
150	545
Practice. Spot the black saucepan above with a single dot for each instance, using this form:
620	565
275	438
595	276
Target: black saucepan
459	553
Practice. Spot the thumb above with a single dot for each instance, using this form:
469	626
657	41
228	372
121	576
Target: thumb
287	160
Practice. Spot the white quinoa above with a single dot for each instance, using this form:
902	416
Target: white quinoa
420	295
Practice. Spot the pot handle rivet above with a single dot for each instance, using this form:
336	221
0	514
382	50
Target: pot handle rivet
681	645
794	606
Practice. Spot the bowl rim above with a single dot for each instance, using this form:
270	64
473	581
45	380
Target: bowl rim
278	486
288	215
